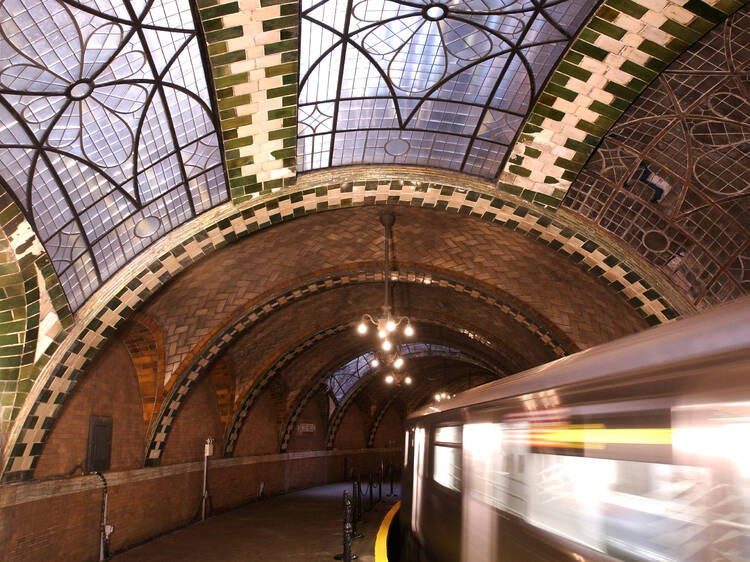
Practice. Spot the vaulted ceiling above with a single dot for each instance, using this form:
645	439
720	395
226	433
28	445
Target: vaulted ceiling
562	173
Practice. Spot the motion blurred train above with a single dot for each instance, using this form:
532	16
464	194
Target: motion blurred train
634	450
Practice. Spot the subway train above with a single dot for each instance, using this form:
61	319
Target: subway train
638	449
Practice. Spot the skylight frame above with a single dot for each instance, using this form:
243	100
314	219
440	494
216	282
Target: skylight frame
93	227
344	40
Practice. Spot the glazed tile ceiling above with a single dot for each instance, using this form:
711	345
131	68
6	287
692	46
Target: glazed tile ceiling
672	178
445	85
108	137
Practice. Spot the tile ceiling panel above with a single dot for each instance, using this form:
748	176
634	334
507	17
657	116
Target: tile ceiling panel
107	134
391	81
672	176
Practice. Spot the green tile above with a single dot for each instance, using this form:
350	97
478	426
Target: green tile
628	7
220	10
561	92
704	10
282	133
604	109
606	28
656	50
228	58
280	23
574	71
280	46
591	50
279	69
224	34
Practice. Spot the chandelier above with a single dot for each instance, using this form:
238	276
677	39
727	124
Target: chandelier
388	327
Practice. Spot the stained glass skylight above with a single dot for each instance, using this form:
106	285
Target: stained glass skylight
423	82
107	130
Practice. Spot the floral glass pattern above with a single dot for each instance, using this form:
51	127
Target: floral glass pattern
423	82
108	138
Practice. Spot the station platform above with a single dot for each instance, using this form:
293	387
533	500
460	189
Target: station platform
304	525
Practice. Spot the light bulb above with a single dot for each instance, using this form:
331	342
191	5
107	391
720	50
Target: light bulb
362	328
409	331
390	325
381	334
386	345
407	380
374	363
389	379
437	398
398	363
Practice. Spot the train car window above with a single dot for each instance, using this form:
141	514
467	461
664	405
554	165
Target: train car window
448	434
446	458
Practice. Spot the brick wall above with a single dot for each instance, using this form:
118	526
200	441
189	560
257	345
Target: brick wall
351	434
258	435
198	420
147	502
391	430
315	440
109	389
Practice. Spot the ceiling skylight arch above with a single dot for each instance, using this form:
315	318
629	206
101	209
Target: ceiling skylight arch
420	82
109	134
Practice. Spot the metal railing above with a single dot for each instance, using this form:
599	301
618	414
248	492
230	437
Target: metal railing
353	506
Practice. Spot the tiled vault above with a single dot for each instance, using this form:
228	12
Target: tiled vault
253	52
672	177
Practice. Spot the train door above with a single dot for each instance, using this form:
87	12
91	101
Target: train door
481	449
418	481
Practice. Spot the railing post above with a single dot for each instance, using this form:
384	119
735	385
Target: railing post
355	502
359	498
380	482
347	555
372	503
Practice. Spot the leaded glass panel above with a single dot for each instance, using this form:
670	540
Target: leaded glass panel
108	136
421	81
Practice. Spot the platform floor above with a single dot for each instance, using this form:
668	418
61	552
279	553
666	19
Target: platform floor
304	525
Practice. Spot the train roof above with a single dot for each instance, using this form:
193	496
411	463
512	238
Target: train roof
721	330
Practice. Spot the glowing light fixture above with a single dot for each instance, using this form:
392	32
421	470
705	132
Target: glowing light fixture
387	323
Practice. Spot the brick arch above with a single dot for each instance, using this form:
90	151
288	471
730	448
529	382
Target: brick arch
130	288
272	367
225	335
359	387
353	392
143	339
222	376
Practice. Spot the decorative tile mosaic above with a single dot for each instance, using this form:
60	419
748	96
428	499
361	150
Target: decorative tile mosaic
23	264
619	51
253	55
100	317
671	177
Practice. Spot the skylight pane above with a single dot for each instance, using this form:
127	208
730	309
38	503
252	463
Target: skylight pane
419	82
110	124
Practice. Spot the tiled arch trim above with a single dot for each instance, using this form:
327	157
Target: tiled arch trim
110	306
266	374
